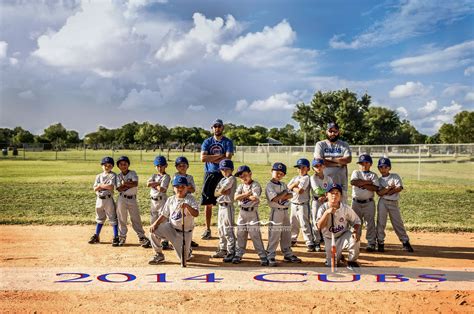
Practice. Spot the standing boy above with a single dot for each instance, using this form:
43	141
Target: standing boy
104	185
279	228
300	212
248	197
390	187
127	185
364	183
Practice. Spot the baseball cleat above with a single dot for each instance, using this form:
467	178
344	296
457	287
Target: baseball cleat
158	258
219	254
121	242
194	244
292	259
317	247
370	248
293	243
145	242
272	262
190	255
236	260
94	239
407	247
228	258
263	261
311	248
381	248
352	265
206	234
115	241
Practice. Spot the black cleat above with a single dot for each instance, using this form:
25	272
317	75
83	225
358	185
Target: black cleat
229	258
263	261
381	248
145	242
293	243
317	247
407	247
94	239
370	248
121	241
311	248
352	265
292	259
115	241
194	244
236	260
272	262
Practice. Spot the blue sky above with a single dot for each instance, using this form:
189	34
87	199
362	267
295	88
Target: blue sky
107	63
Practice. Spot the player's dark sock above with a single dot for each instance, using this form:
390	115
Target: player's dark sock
98	228
115	231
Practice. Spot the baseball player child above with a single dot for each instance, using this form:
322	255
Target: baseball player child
127	186
104	185
182	165
158	183
169	224
336	217
225	192
390	187
248	197
364	183
319	183
300	211
279	228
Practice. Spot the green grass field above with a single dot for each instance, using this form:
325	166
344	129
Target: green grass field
60	192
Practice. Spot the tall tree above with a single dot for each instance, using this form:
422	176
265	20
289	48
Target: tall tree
382	126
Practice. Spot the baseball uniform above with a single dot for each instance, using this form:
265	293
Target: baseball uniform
248	222
225	221
318	189
279	229
300	211
158	199
105	205
388	204
172	229
363	203
338	173
127	203
340	224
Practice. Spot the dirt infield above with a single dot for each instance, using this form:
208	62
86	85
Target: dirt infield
65	247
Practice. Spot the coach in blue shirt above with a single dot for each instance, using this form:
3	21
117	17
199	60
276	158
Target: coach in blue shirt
213	150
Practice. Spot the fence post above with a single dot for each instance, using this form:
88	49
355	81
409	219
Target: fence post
24	154
85	150
56	154
141	154
419	162
242	147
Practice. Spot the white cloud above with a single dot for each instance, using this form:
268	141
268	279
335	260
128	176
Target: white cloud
277	102
453	109
403	112
141	100
455	89
429	107
28	94
469	70
438	61
196	108
408	89
13	61
3	49
410	19
202	39
98	39
469	96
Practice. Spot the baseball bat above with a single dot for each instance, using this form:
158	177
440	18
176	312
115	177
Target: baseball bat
333	253
183	248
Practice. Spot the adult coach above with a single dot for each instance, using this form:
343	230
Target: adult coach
336	154
213	150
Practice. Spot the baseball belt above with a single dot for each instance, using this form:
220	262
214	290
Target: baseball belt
104	197
363	201
159	198
180	231
130	197
248	209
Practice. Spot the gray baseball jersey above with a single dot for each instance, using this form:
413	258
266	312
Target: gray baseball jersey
172	210
272	190
392	179
225	184
344	218
190	180
337	149
164	180
108	179
131	176
361	193
256	191
304	183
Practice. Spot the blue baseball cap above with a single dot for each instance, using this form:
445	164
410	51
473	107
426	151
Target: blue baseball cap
385	162
317	161
217	122
180	180
332	125
226	164
302	162
181	160
123	158
107	160
242	169
365	158
334	186
279	166
160	161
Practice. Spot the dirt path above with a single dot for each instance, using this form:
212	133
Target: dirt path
65	247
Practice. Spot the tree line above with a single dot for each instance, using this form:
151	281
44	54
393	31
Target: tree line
360	124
